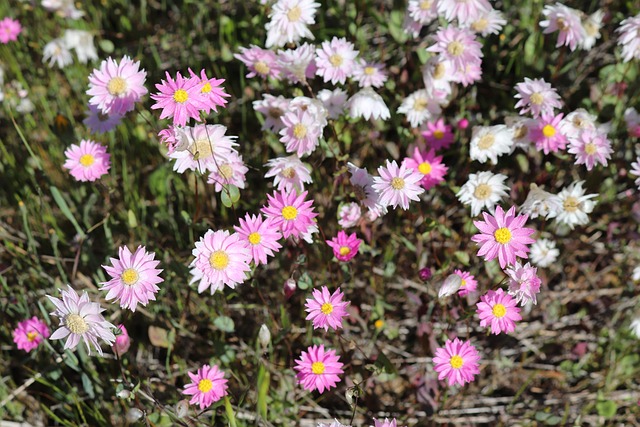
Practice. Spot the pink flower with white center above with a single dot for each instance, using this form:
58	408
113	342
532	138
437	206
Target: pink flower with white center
326	310
590	148
363	187
567	22
503	236
537	97
133	278
469	283
123	342
220	259
98	122
273	108
336	60
87	161
344	247
369	74
429	165
9	30
260	62
212	91
80	319
349	215
457	45
301	133
202	148
318	369
386	422
298	64
438	135
115	88
261	236
231	171
30	333
465	11
524	283
629	38
289	20
207	386
421	105
423	11
291	213
180	99
288	173
457	361
546	133
498	310
397	185
488	22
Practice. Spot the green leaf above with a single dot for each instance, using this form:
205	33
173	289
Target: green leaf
64	208
462	257
305	281
263	391
606	408
87	385
225	324
106	45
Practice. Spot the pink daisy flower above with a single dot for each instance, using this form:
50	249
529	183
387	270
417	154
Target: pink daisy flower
289	20
369	74
590	148
385	423
567	22
288	173
422	12
503	236
180	99
301	132
291	213
629	38
457	361
272	108
468	283
298	64
438	135
202	148
397	185
87	161
220	259
429	165
546	133
133	278
231	171
80	319
524	283
207	386
488	22
98	122
318	369
261	236
536	96
457	45
260	62
115	88
9	30
498	310
344	247
326	310
464	11
123	341
362	183
212	91
30	333
336	60
349	215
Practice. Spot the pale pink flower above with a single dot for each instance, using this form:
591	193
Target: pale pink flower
207	386
272	108
629	38
116	87
397	185
366	103
363	187
469	283
437	74
546	133
298	64
9	30
230	171
471	73
30	333
536	96
423	11
260	62
288	173
98	122
464	11
488	22
318	369
201	148
567	22
291	213
289	20
349	215
123	341
369	74
212	91
326	310
438	135
457	361
590	148
301	132
334	101
87	161
180	99
421	105
335	423
635	170
260	235
386	422
429	165
457	45
336	60
524	283
344	247
498	310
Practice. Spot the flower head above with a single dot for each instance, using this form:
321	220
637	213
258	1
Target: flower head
335	101
230	171
290	212
464	11
468	283
629	38
457	361
498	310
363	185
438	135
98	122
567	22
540	203
482	191
180	99
208	385
30	333
546	132
537	97
336	60
298	64
260	62
429	165
385	423
87	161
366	103
116	87
57	51
344	247
318	369
273	108
123	341
301	133
369	74
326	310
397	185
288	173
421	105
289	20
212	91
261	236
490	142
9	30
202	148
349	215
82	42
524	283
574	205
590	148
544	253
457	45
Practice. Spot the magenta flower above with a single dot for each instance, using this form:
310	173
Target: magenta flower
429	165
546	132
397	185
344	247
438	135
260	235
133	278
326	310
336	60
318	369
498	310
180	99
524	283
122	343
469	283
290	212
207	386
212	91
537	97
9	30
30	333
87	161
503	236
457	361
590	148
262	62
115	88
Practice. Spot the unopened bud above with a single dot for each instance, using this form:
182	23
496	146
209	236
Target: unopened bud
450	286
289	288
133	415
264	336
425	274
182	408
123	394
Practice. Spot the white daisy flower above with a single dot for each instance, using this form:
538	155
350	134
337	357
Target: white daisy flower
420	106
334	101
482	191
575	205
367	104
288	173
540	203
489	142
57	52
543	253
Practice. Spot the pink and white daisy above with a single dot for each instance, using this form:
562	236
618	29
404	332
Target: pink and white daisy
471	73
488	22
289	20
335	101
421	105
212	91
98	122
9	30
397	185
290	212
335	423
369	74
524	283
301	133
326	310
468	284
438	135
220	259
288	173
133	278
363	182
260	235
262	62
202	148
464	11
503	236
498	310
629	38
230	171
123	341
80	319
318	369
590	148
116	87
423	12
349	214
537	97
577	121
546	133
344	247
567	22
457	45
180	99
30	333
429	165
208	385
87	161
273	108
336	60
457	361
298	64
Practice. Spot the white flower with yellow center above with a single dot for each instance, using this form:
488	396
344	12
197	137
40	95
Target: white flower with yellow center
574	205
489	142
482	191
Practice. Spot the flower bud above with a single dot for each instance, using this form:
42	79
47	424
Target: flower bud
123	394
450	286
122	341
264	336
463	123
425	274
133	415
289	288
182	408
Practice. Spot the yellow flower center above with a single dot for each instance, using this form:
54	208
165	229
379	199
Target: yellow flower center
261	67
591	28
499	310
425	5
502	235
205	385
180	96
294	14
463	283
206	88
520	132
397	183
425	168
289	173
202	149
336	60
219	260
548	131
87	160
378	323
117	86
254	238
570	204
289	213
536	98
562	25
344	250
482	191
129	277
317	368
480	25
299	130
590	148
76	324
31	336
486	141
455	48
456	362
438	134
225	171
420	104
369	70
327	308
438	70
